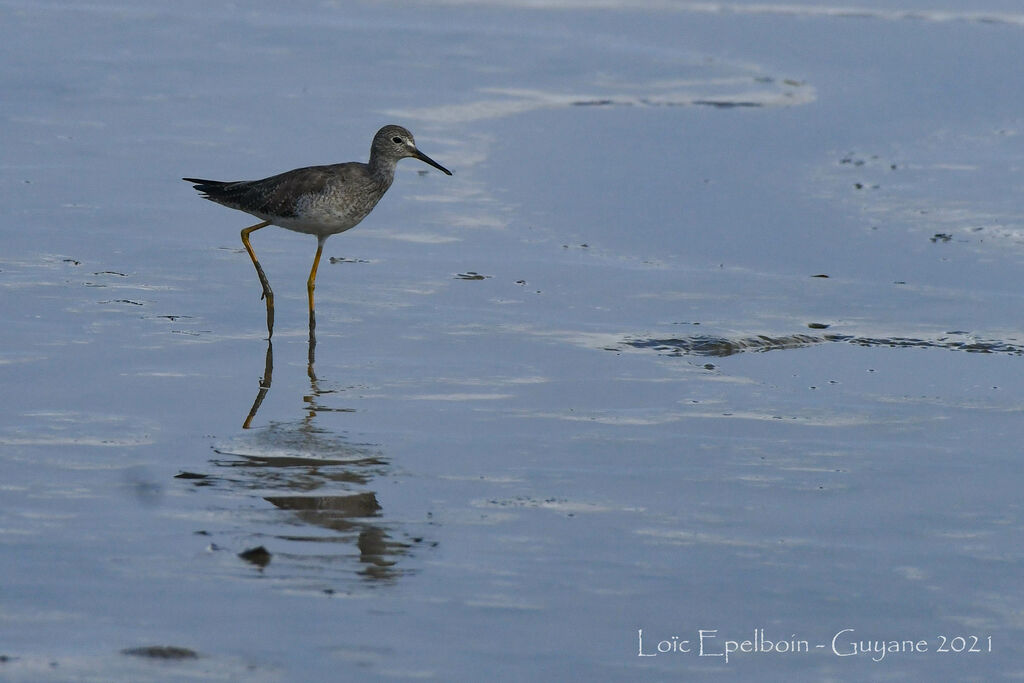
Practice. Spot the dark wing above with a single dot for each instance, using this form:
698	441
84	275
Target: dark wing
273	196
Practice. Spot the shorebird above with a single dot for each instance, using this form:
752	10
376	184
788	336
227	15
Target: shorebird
316	200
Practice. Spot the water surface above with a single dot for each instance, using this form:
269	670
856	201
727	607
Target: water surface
595	382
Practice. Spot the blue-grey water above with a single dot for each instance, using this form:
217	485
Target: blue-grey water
597	383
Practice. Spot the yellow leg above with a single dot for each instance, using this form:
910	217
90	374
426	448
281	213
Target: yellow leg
268	293
311	283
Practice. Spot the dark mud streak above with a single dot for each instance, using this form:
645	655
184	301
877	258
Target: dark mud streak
726	104
703	345
167	652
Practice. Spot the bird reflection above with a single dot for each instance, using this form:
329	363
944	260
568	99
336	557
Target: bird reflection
347	515
321	479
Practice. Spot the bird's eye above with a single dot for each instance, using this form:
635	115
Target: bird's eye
397	140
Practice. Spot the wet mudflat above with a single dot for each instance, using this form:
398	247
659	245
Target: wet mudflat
597	382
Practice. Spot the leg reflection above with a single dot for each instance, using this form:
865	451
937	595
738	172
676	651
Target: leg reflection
314	385
268	373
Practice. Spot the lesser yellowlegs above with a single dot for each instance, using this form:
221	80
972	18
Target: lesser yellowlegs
316	200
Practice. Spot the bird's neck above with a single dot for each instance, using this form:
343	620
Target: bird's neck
382	169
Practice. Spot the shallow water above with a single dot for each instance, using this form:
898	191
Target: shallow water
591	384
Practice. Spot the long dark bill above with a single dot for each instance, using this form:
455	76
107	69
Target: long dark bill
423	157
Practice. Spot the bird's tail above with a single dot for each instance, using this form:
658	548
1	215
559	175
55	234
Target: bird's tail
217	190
206	186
